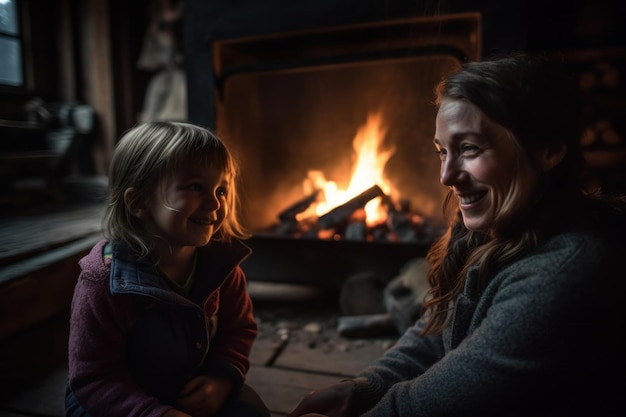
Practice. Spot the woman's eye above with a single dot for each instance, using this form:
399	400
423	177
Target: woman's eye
221	191
469	149
195	187
442	153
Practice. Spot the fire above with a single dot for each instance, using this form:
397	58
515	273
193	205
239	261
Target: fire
368	171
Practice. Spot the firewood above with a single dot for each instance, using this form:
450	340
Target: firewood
341	213
290	212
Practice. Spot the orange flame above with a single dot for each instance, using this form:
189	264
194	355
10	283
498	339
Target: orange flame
368	171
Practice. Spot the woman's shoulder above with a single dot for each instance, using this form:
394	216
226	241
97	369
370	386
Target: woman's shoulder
570	269
568	260
577	247
570	242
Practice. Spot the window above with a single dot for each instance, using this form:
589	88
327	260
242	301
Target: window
11	73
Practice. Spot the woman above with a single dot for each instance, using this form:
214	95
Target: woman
522	317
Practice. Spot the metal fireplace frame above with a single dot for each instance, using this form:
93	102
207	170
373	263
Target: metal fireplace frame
457	35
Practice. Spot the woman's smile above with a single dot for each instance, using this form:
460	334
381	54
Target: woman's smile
469	199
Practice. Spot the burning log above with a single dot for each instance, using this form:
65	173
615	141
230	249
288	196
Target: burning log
349	221
402	223
343	212
292	211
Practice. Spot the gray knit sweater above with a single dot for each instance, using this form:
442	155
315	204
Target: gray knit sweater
542	339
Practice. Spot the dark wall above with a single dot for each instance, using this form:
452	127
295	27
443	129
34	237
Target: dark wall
576	24
532	25
129	20
218	20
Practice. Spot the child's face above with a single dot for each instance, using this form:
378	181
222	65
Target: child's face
190	206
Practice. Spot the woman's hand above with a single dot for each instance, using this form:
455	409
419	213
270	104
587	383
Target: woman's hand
332	401
204	395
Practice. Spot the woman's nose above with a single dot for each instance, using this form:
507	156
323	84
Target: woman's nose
451	172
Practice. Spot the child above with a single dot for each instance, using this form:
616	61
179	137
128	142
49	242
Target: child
161	322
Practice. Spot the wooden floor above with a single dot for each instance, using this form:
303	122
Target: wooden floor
298	347
296	351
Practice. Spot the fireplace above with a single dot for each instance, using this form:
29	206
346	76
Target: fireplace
293	102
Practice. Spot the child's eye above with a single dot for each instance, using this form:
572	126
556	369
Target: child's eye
222	191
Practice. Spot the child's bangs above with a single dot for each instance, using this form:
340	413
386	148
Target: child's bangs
206	154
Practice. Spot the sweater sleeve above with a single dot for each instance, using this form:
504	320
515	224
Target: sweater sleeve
409	358
524	324
98	327
236	330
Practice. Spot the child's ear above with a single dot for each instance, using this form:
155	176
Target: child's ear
552	155
135	207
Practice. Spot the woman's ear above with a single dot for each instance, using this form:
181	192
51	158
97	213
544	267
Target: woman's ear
551	155
135	208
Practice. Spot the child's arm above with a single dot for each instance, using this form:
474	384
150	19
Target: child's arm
236	331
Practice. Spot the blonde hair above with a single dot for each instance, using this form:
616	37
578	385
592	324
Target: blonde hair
144	157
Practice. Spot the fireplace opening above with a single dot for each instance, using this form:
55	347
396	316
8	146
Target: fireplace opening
290	104
293	104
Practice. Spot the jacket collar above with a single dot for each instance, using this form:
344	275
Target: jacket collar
135	274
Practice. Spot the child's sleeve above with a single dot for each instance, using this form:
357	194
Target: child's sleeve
236	330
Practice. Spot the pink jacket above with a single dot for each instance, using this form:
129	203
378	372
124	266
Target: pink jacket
134	342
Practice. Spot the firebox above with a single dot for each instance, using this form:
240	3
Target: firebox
295	104
292	103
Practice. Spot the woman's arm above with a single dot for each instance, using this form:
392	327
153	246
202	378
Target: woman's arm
411	356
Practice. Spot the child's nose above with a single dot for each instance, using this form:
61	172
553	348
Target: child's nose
212	202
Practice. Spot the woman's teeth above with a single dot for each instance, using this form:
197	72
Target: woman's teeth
470	198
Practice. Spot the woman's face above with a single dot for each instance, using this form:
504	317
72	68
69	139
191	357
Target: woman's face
491	177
